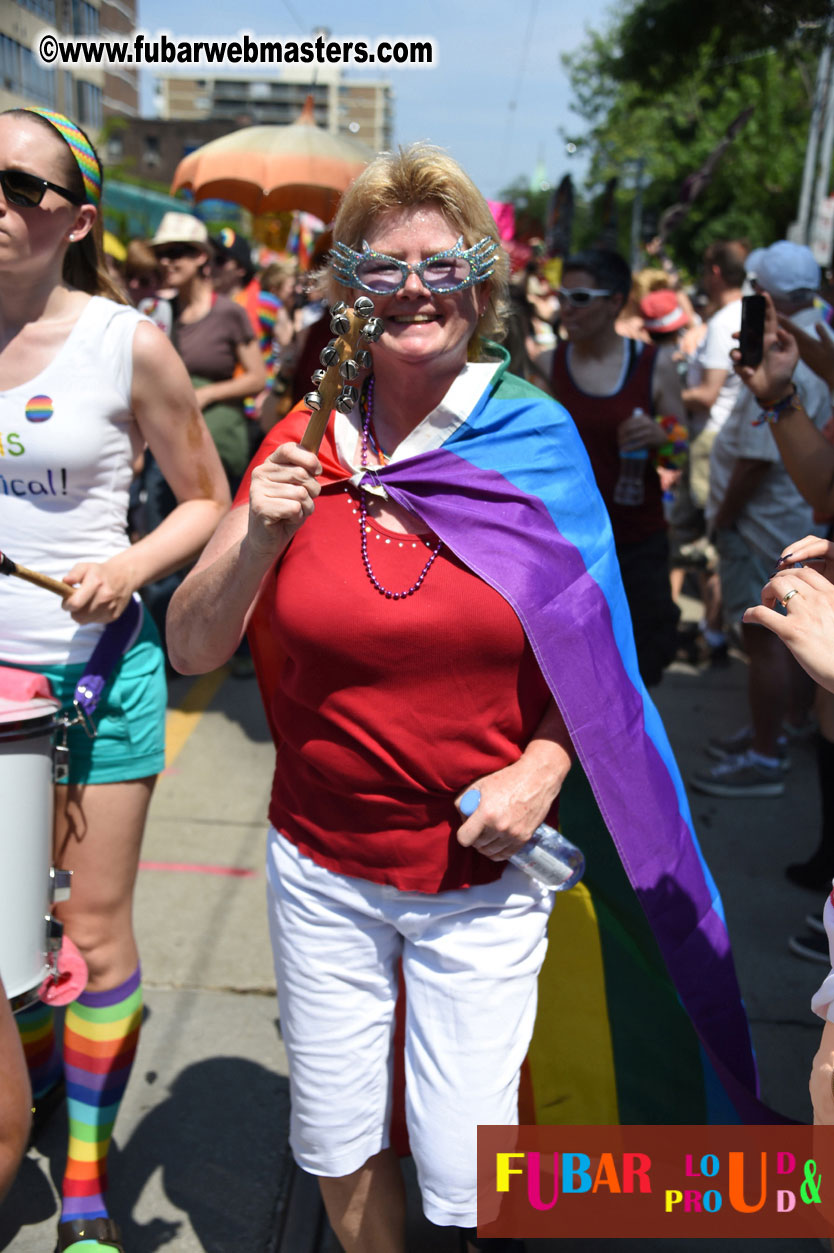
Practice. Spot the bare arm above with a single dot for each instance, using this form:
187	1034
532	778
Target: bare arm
822	1078
704	394
249	383
15	1097
746	476
210	610
666	388
163	404
807	626
283	332
817	351
541	361
808	458
516	799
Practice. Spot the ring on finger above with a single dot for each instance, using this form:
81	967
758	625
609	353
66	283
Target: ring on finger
788	595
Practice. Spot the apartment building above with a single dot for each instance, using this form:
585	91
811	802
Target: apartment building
88	94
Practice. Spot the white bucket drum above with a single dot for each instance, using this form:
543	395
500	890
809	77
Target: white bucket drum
26	730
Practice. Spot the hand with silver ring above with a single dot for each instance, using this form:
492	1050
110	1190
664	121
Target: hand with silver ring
806	627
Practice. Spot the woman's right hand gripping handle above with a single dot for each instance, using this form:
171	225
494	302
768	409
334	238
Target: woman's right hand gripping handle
210	611
282	496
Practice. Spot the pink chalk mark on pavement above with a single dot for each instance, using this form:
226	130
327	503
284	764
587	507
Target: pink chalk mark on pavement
193	867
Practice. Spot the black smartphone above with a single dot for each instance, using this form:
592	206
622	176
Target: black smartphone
751	338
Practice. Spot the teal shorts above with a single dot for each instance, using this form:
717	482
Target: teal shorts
130	718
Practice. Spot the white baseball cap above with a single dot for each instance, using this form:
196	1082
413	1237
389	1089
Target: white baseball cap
784	267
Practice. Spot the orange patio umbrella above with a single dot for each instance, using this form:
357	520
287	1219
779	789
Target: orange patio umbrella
269	168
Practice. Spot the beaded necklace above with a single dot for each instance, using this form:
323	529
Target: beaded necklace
363	513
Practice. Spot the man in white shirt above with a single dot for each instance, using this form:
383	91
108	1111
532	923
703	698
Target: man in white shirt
711	391
713	385
754	510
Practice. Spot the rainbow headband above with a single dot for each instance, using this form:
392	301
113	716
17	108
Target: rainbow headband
80	147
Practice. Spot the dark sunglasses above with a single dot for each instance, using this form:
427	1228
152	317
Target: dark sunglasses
26	191
579	297
176	252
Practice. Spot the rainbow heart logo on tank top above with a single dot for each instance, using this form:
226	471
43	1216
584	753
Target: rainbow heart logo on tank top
39	409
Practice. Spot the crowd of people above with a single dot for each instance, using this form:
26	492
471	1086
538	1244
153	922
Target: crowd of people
739	498
518	528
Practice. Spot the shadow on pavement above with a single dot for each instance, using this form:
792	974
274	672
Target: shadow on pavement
207	1139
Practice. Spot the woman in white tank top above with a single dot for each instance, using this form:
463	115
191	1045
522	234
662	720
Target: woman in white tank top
85	383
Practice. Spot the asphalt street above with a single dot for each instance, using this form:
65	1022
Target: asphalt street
200	1159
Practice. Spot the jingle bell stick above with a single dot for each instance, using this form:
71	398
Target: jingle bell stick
341	360
7	566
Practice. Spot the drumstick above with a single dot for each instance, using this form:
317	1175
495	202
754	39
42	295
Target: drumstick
7	566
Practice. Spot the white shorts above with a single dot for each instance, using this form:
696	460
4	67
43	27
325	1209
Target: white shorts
470	959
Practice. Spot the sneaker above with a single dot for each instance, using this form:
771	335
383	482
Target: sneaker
813	947
721	748
814	922
740	776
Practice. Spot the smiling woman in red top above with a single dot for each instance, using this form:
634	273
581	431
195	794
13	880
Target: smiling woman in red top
406	679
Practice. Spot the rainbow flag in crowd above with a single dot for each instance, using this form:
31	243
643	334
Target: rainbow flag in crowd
640	1016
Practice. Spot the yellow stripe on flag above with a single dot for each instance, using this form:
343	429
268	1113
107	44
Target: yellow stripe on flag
571	1055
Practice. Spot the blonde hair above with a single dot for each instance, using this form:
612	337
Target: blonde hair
85	262
277	272
424	175
649	280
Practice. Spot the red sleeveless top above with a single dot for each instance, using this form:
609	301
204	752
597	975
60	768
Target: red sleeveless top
597	419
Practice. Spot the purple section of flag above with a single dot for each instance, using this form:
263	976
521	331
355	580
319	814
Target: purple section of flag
510	539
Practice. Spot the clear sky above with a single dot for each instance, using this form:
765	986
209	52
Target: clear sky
497	97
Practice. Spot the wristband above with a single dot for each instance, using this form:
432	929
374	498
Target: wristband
772	413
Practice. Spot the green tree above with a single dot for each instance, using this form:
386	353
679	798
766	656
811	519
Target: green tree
643	123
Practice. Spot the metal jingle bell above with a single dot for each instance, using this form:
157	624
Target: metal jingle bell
318	377
338	309
330	354
363	306
363	359
340	325
313	401
349	369
346	399
372	330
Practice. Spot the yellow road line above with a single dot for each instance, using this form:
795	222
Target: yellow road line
181	721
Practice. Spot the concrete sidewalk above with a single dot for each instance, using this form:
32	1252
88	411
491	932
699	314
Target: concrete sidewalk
200	1159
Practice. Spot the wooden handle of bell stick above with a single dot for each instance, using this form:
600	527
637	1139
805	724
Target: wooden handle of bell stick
314	432
331	385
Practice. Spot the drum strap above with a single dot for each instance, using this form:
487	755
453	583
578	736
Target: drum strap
116	639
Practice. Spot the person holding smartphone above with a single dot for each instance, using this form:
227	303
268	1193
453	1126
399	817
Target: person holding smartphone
754	511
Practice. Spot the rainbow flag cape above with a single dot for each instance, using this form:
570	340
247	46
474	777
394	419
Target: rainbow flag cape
640	1016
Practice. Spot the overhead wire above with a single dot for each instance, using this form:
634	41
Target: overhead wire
512	104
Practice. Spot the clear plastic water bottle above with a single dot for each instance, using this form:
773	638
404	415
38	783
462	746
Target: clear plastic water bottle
547	856
630	488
